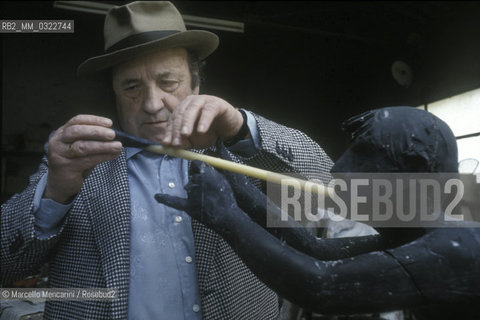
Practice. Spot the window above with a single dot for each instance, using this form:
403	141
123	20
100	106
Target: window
462	114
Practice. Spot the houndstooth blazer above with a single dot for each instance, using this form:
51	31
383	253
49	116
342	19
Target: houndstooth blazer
92	247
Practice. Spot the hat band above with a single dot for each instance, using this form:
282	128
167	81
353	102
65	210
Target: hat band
140	38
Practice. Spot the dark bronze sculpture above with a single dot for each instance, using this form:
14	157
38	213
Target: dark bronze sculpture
433	271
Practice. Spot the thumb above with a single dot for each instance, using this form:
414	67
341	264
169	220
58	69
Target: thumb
172	201
171	102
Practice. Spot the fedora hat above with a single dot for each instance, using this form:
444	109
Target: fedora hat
142	27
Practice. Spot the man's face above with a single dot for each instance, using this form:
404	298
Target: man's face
147	87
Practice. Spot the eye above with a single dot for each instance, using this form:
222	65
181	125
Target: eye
132	87
132	90
168	85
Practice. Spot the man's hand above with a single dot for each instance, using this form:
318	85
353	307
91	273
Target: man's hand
74	150
199	120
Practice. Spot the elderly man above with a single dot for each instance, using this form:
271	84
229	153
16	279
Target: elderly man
90	210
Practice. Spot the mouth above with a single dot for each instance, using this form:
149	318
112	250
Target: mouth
156	123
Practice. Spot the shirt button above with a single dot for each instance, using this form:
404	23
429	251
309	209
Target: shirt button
188	259
196	308
178	219
171	185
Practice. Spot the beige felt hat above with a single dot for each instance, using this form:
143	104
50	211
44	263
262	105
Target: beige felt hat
142	27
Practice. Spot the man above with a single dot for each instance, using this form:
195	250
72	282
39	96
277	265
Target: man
90	210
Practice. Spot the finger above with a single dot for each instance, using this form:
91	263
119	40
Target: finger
86	148
185	117
171	102
174	106
87	132
183	143
209	113
193	108
90	120
190	118
172	201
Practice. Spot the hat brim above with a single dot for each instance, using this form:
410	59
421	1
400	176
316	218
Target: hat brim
202	43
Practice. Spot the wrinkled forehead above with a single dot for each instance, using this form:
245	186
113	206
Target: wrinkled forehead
164	60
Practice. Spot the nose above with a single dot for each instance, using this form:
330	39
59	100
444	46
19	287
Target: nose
153	101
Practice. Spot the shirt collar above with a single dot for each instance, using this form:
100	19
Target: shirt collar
132	151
